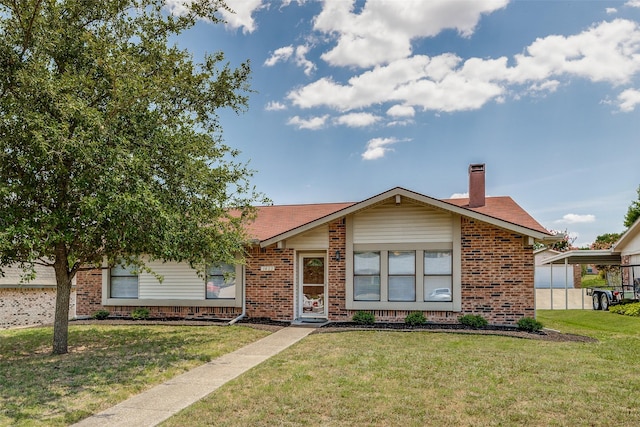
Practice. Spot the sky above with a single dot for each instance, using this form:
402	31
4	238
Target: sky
353	98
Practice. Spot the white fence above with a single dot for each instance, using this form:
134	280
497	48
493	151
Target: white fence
563	299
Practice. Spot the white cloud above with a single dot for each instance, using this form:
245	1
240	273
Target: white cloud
633	3
243	14
459	196
576	219
378	147
382	31
607	52
611	10
241	17
281	54
275	106
401	111
628	100
302	61
357	119
313	123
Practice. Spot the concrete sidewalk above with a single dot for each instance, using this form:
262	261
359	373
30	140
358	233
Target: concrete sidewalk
161	402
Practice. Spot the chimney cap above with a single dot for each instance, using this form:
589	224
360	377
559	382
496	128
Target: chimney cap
476	167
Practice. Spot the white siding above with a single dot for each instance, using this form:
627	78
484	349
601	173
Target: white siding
633	247
405	223
180	282
318	238
45	276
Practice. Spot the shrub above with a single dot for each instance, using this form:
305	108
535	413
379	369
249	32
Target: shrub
100	314
529	324
140	313
631	309
415	318
364	318
473	320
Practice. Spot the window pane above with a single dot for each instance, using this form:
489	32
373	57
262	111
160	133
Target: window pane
313	271
437	262
366	263
402	262
124	270
124	287
366	288
402	288
221	282
437	288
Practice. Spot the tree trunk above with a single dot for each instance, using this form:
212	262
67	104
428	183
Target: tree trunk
63	295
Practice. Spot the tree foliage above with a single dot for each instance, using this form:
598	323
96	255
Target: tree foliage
633	213
110	145
605	241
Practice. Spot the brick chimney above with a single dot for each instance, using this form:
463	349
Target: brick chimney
476	185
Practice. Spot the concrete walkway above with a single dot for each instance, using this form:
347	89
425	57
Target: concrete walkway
161	402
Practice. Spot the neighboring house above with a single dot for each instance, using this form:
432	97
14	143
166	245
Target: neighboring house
628	247
31	303
391	254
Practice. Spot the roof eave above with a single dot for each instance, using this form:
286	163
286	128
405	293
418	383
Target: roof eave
536	235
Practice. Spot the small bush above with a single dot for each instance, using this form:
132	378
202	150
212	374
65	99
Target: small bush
473	320
631	309
529	324
100	314
415	318
140	313
364	318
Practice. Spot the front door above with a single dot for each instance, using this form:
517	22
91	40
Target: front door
313	285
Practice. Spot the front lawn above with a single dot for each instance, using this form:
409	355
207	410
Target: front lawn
105	365
425	378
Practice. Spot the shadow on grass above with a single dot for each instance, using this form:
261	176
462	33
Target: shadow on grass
104	365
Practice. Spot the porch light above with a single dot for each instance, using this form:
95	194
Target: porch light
337	257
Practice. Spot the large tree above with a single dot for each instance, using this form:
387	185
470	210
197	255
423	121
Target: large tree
110	145
633	213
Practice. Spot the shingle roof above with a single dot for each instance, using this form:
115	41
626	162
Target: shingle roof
272	221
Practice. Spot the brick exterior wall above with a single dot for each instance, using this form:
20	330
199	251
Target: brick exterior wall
270	294
497	282
497	273
26	306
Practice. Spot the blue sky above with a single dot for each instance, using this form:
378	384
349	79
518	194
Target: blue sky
353	98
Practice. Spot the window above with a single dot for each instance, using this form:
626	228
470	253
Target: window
437	275
402	276
124	281
221	281
366	276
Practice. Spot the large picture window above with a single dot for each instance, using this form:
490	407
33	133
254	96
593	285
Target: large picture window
221	281
402	276
437	275
366	276
124	282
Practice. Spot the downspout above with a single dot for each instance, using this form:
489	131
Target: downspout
244	301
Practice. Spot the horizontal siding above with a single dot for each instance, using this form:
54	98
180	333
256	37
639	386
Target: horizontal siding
406	223
45	276
318	238
180	282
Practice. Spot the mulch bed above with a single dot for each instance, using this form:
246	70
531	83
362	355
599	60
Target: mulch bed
272	326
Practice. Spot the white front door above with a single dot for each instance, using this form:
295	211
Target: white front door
312	277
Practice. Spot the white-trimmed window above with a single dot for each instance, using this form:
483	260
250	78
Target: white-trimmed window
124	282
221	282
366	276
438	270
402	275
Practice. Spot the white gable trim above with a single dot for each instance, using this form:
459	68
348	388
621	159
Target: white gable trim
416	197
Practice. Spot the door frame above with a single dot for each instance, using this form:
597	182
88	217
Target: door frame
300	314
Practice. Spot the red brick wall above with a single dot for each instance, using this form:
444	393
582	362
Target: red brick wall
270	294
88	292
337	271
497	273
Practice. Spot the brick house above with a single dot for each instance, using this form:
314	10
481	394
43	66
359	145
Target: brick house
391	254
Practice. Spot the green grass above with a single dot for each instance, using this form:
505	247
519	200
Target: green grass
443	379
105	365
593	281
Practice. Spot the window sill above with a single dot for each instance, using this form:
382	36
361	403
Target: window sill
395	305
172	302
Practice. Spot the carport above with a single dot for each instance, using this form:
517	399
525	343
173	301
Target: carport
596	257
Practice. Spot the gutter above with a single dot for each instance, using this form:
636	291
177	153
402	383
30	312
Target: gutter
244	301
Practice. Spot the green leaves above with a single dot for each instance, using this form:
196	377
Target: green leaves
109	137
